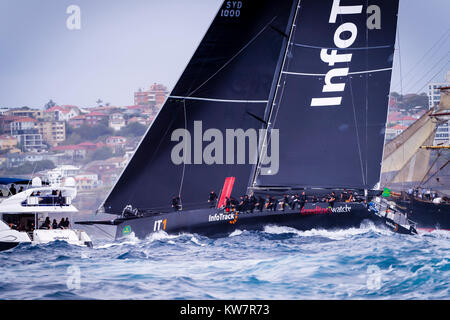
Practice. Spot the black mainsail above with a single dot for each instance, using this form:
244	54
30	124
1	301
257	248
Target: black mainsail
331	105
227	84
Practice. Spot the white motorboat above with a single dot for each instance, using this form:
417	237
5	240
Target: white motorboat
25	217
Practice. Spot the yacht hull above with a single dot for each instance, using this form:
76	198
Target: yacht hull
426	214
217	223
8	245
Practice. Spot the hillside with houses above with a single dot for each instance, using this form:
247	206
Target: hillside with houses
91	144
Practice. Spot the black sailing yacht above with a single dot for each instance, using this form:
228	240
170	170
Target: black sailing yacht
312	77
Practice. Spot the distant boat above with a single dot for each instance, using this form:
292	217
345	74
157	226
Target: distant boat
23	214
311	79
420	171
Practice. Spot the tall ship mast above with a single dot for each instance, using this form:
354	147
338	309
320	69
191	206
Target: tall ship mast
281	111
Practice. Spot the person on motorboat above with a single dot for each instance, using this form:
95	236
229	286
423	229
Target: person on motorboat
54	224
67	224
47	224
12	190
61	224
60	199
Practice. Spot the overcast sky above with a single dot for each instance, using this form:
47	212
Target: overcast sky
126	45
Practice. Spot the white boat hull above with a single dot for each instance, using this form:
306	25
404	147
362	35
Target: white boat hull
10	238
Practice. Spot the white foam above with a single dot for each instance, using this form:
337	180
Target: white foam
197	242
338	234
130	239
236	232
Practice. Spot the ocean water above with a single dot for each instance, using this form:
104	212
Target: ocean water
277	263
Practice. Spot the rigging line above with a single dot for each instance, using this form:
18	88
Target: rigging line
103	231
354	116
434	76
184	162
428	171
233	57
431	69
439	170
401	87
367	101
445	35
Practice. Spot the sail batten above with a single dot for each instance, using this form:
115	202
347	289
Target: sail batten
218	100
324	74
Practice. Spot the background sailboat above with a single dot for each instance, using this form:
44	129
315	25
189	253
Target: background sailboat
412	164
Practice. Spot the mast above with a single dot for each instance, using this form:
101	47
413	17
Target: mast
275	88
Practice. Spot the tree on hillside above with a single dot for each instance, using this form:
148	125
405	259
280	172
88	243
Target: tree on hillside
49	104
101	154
409	101
134	129
32	167
88	133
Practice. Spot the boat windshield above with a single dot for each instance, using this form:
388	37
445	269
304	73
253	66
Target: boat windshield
47	197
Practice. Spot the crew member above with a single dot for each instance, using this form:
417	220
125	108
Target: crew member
212	199
274	203
350	197
285	202
260	204
332	199
303	200
344	196
267	203
252	202
176	203
295	200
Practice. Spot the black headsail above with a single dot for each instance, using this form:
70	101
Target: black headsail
331	105
226	85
